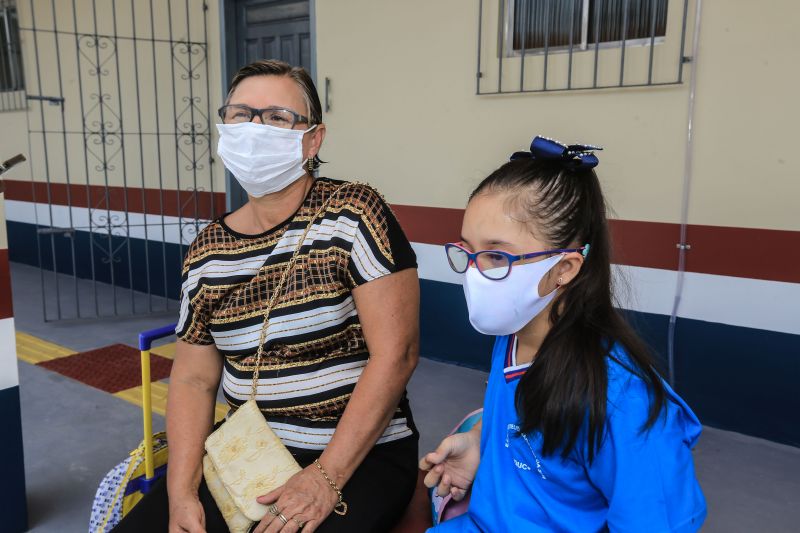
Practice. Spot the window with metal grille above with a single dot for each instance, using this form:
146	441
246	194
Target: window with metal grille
558	24
12	80
556	45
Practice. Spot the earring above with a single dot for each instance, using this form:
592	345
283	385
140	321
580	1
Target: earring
560	282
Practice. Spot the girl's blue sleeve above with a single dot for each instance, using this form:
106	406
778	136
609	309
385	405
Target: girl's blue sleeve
648	478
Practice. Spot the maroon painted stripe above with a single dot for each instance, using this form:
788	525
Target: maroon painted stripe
429	225
157	202
726	251
6	307
745	252
720	250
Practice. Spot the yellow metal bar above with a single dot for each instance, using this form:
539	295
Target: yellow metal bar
158	399
147	416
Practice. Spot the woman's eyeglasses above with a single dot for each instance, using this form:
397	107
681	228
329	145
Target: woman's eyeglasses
274	116
492	264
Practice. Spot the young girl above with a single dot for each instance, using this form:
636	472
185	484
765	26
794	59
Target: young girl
579	431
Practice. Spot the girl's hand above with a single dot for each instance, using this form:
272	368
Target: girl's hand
186	515
305	501
452	467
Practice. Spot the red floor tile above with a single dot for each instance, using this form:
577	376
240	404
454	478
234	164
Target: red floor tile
111	369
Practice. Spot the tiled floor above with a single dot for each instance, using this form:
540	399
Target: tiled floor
123	379
74	433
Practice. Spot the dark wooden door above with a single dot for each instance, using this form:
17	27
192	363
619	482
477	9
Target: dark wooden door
270	29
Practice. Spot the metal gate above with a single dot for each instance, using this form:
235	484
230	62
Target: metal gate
121	165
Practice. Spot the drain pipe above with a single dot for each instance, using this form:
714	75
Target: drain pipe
683	246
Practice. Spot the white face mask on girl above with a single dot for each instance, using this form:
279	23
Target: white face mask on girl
504	307
263	159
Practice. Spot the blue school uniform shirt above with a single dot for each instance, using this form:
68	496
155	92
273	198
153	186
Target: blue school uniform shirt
636	483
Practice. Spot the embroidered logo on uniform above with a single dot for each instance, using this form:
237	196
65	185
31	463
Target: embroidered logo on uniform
521	466
512	431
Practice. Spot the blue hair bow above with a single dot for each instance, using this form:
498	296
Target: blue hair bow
573	156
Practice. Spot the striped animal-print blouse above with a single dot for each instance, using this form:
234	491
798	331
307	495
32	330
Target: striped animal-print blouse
315	349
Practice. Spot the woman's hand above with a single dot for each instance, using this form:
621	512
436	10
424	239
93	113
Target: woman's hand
305	501
452	467
186	515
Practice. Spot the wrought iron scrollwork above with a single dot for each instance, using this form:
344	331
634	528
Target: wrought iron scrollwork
105	49
102	126
104	224
192	124
191	226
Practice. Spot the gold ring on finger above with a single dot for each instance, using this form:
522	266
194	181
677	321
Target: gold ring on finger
283	519
299	523
273	509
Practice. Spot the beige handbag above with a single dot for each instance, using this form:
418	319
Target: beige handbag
244	458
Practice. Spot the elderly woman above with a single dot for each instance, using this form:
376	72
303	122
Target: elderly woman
342	338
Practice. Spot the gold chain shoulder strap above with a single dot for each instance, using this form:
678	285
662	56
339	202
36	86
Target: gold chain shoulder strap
279	287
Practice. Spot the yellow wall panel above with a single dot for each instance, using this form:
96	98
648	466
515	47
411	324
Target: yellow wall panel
747	116
405	116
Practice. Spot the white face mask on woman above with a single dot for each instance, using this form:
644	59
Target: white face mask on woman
503	307
263	159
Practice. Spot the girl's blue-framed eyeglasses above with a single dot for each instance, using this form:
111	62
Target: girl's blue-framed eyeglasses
495	264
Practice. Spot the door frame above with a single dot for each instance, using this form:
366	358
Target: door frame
229	62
